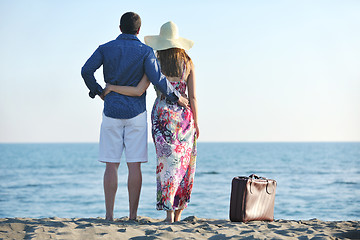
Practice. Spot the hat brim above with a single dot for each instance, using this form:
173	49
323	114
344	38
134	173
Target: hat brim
159	43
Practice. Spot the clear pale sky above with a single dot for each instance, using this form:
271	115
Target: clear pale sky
266	70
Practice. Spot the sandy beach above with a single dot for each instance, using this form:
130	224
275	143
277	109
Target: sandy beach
189	228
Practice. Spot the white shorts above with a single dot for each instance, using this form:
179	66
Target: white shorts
119	134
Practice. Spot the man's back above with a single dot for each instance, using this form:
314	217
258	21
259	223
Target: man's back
123	64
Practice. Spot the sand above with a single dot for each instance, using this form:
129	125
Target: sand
189	228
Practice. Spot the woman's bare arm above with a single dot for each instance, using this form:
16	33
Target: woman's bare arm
192	97
128	90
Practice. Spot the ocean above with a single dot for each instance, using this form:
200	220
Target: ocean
314	180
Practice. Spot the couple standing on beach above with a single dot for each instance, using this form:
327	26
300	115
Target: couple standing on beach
128	67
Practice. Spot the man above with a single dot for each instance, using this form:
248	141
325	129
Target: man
124	126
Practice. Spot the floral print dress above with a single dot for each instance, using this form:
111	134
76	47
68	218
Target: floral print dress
174	136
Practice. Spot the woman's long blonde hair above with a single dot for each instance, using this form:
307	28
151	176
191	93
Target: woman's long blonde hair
172	61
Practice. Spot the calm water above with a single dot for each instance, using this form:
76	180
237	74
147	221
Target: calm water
315	180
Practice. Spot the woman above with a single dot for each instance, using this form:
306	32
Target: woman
174	128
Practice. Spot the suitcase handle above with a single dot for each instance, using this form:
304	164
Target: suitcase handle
267	188
254	176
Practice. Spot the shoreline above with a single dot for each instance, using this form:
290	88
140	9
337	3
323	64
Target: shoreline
189	228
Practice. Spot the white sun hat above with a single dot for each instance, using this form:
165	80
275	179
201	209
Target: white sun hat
168	38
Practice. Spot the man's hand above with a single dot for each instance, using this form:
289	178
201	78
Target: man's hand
184	102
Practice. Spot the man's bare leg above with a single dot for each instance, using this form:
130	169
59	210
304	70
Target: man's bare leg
110	188
178	215
134	188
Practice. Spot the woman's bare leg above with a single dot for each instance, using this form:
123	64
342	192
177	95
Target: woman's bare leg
169	216
178	215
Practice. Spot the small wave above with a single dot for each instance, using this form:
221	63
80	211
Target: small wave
33	185
24	186
208	173
346	183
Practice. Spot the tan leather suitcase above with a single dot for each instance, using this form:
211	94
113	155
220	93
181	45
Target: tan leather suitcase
252	198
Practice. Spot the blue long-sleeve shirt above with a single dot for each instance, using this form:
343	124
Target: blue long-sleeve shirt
124	61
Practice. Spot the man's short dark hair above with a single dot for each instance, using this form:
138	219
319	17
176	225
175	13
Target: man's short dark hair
130	23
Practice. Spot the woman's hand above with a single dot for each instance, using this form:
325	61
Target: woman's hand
107	90
197	130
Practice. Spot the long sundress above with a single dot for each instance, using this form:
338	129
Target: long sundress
174	136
